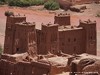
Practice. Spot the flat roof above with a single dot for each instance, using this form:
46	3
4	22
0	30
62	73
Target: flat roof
67	28
26	23
56	61
49	25
17	16
88	22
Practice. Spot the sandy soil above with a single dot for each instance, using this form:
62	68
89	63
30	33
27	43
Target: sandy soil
44	16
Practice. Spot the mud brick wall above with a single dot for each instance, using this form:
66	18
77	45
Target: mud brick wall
41	68
90	35
22	68
72	41
47	39
10	32
6	67
58	69
25	38
62	19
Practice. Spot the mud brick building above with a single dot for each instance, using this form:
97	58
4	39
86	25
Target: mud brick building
45	51
20	36
66	37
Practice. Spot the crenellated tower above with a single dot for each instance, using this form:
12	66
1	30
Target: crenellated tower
90	36
62	19
25	38
48	39
10	32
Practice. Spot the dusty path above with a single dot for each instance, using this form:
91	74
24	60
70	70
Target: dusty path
43	17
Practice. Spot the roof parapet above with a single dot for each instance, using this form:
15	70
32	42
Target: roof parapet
62	14
87	21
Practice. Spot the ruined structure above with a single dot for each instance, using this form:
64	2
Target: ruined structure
50	50
69	39
84	64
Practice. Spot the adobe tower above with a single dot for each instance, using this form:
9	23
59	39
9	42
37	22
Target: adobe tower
62	19
48	37
25	38
20	36
90	36
10	32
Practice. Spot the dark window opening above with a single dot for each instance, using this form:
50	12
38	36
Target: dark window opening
74	39
69	40
17	49
91	37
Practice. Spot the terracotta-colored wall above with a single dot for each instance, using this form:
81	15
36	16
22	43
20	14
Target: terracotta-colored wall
22	37
25	38
72	41
91	39
62	19
23	68
49	39
10	32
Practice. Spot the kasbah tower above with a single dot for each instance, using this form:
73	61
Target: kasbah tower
22	36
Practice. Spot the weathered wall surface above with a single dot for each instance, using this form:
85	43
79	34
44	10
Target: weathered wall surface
22	68
25	38
10	32
49	39
72	41
62	19
90	36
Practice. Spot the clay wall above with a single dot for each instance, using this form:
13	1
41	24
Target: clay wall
25	38
23	68
10	32
90	35
62	19
72	41
49	39
58	69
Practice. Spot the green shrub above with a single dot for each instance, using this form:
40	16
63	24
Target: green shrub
25	3
51	5
2	2
37	2
8	13
20	3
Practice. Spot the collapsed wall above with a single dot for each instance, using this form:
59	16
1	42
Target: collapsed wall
84	64
23	64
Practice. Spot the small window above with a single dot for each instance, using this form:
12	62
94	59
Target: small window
91	37
68	39
74	39
17	49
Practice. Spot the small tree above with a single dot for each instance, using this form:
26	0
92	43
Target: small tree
51	5
8	13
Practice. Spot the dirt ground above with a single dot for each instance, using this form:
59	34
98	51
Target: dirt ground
44	16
